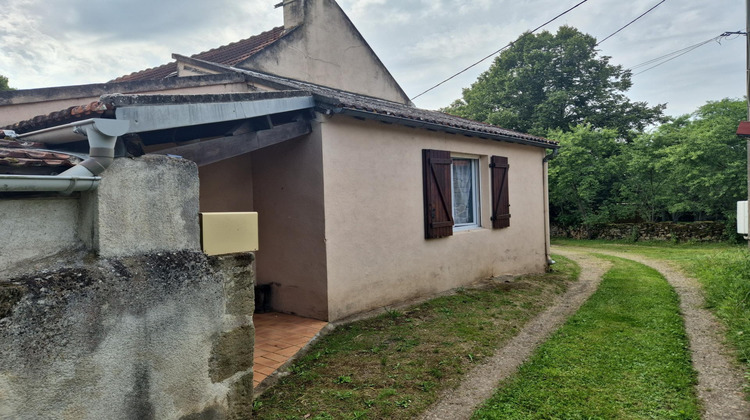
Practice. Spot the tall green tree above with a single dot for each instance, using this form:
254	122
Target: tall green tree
649	188
707	163
585	178
4	83
555	81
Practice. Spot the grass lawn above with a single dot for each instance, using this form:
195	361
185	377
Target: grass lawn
395	366
623	355
722	269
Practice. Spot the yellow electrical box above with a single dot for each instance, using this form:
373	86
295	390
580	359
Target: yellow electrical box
229	233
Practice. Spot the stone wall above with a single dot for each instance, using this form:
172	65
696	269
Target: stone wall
159	336
108	309
695	231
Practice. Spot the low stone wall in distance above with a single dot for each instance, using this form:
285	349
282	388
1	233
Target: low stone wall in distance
681	232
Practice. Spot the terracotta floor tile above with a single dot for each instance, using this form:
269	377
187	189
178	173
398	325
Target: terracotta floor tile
267	363
265	347
264	370
277	357
279	337
291	351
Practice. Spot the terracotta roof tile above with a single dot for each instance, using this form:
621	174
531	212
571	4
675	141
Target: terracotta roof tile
19	157
74	113
160	72
230	55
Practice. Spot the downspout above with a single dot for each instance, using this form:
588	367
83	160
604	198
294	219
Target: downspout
102	136
545	194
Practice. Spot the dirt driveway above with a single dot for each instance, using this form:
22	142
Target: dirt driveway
720	380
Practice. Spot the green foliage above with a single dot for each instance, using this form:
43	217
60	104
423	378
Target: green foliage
707	163
547	81
726	280
623	355
4	84
693	168
583	176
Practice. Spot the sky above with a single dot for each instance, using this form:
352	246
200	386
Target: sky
47	43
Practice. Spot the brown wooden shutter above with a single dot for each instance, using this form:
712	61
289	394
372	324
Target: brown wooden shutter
438	206
500	200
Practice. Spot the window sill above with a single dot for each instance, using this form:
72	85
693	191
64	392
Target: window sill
468	229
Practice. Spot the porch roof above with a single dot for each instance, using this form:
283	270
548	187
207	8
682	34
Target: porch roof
334	101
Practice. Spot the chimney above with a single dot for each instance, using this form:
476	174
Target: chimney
294	13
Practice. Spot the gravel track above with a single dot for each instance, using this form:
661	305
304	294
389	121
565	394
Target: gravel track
480	382
720	379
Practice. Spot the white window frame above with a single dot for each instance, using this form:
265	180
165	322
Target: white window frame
475	196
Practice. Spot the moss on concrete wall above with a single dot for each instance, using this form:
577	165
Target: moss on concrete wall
128	338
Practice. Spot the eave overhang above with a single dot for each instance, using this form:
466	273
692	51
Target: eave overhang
408	122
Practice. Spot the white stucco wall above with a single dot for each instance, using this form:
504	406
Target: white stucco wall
375	247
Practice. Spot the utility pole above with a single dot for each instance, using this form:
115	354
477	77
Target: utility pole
747	93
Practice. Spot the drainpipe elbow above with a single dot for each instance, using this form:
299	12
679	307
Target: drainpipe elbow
102	136
552	155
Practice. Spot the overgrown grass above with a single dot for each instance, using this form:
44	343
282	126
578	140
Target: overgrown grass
684	253
724	272
726	280
623	355
395	366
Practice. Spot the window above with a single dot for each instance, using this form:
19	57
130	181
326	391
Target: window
465	187
452	193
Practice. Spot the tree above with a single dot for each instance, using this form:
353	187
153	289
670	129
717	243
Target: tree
585	178
707	163
4	83
691	168
548	81
648	189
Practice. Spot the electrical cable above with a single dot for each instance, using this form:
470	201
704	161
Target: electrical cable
679	53
500	50
630	23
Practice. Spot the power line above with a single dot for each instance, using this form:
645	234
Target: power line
630	23
500	50
679	53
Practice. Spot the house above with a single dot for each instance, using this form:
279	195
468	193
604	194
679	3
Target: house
364	200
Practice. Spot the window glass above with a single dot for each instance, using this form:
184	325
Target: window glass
465	186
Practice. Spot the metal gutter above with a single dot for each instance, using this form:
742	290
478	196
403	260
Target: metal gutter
102	135
357	113
48	183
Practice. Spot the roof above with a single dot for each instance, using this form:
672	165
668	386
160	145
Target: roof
19	157
342	102
230	55
327	100
72	114
744	129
